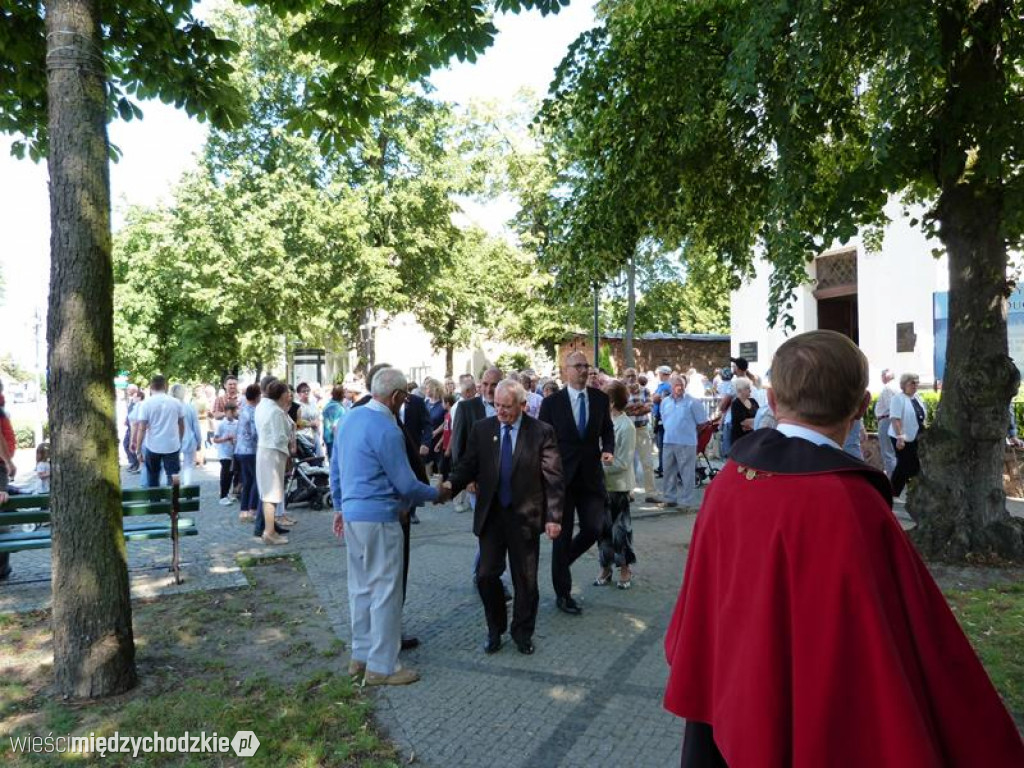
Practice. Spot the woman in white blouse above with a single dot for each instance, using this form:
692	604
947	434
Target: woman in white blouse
906	421
275	444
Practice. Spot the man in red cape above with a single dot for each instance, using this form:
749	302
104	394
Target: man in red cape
808	631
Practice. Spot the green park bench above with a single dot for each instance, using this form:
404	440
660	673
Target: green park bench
172	500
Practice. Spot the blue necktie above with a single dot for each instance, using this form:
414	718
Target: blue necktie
505	468
581	419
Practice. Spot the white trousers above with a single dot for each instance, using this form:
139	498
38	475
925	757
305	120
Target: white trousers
645	455
188	466
680	465
886	447
375	593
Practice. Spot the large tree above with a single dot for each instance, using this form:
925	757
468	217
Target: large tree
66	67
788	126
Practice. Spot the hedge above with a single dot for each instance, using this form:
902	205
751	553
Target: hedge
931	402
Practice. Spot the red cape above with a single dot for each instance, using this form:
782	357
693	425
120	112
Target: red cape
809	633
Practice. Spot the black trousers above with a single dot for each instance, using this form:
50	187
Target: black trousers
226	473
589	508
506	533
699	748
907	466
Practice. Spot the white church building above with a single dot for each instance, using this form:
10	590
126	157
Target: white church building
891	303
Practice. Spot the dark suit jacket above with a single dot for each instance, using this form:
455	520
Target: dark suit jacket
537	488
467	414
416	421
581	456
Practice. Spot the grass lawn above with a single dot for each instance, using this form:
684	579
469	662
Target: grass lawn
262	659
993	619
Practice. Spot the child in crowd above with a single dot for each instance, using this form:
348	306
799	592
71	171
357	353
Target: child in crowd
42	484
444	445
224	438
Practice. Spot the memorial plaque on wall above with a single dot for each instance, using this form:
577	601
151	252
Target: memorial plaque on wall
906	339
748	351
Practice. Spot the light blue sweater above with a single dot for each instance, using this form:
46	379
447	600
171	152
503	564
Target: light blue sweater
371	480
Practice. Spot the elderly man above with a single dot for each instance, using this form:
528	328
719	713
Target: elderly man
663	389
582	419
514	460
373	484
882	406
681	417
808	632
638	408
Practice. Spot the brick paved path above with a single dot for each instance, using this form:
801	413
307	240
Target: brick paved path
591	694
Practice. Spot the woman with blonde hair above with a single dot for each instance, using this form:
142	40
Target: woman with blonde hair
906	422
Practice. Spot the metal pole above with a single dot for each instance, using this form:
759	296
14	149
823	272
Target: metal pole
597	332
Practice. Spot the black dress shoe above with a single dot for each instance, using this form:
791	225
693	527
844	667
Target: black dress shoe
493	644
408	642
6	573
525	646
568	605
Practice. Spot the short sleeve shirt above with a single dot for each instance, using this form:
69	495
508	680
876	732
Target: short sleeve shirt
161	413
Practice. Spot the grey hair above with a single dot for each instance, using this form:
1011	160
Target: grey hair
513	386
179	392
742	382
466	384
906	378
387	381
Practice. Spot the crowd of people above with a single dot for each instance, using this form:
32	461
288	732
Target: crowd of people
807	630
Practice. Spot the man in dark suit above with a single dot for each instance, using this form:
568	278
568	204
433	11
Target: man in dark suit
514	460
472	410
586	439
415	420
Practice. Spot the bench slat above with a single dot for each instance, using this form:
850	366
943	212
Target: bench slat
16	541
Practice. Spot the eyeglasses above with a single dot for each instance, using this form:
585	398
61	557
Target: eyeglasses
580	366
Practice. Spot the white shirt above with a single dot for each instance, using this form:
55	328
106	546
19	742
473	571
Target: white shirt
533	401
695	386
161	413
884	402
574	401
514	433
902	408
795	430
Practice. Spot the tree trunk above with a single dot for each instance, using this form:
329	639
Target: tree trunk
367	342
959	502
449	348
627	342
93	647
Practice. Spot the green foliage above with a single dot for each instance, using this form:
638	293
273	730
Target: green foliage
10	370
605	361
149	50
512	361
24	435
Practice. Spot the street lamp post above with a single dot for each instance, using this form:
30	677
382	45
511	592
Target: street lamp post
597	332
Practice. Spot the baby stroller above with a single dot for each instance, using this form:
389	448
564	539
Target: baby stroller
309	479
705	470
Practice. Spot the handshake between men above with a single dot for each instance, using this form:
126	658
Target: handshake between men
445	495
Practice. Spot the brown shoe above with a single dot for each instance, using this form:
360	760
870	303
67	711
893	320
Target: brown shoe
285	520
274	539
356	670
403	676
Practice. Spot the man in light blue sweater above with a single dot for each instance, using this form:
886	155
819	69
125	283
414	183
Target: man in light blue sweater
372	484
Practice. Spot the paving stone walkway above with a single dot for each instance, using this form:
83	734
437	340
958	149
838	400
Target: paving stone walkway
590	695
